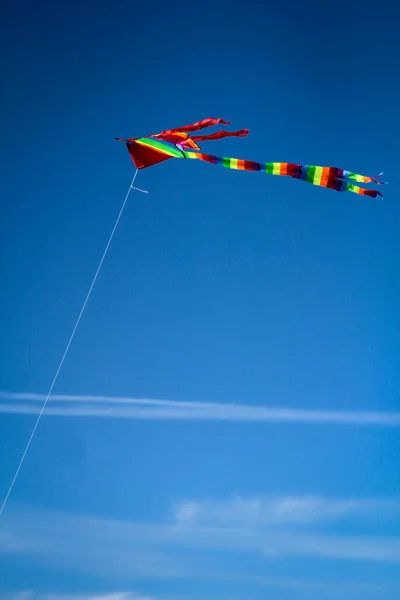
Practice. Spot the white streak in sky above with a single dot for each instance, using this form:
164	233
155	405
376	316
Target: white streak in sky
155	549
67	405
31	595
265	511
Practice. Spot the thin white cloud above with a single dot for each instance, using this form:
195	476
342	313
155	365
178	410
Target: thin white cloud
349	588
124	549
143	408
264	511
32	595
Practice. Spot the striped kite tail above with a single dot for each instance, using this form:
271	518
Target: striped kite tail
329	177
349	175
344	186
339	179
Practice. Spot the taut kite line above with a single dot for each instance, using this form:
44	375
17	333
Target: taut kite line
178	143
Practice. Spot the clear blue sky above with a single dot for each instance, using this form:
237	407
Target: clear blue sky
220	287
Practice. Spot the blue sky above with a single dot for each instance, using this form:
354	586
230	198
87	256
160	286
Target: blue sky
226	424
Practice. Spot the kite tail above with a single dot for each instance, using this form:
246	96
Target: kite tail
198	125
356	189
182	139
329	177
219	135
349	175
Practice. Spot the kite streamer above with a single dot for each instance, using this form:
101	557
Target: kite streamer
329	177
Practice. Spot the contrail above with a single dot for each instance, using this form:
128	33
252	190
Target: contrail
154	409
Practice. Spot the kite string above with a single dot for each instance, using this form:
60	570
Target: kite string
68	345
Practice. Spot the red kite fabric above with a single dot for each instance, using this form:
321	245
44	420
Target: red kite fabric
147	156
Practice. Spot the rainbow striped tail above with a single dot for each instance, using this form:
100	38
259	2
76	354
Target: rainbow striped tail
334	178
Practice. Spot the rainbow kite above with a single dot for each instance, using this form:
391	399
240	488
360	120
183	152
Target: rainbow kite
177	143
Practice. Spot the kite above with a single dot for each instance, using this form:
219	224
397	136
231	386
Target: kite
181	143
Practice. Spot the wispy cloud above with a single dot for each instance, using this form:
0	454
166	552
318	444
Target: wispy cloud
124	549
32	595
142	408
347	588
262	511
